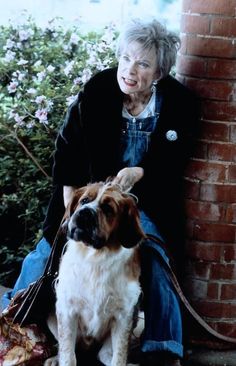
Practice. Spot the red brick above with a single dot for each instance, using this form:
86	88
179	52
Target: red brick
209	7
230	253
210	47
200	270
222	152
201	150
191	189
213	290
233	133
215	131
208	252
228	291
217	192
232	173
196	289
233	193
221	271
225	27
214	309
221	69
219	110
189	228
183	47
231	213
193	66
212	89
227	328
218	232
207	171
208	211
195	24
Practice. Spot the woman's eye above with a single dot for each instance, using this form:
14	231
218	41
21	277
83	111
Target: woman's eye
84	200
125	58
143	64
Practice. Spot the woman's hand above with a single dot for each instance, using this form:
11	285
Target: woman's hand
127	177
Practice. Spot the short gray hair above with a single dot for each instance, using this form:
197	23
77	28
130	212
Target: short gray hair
150	34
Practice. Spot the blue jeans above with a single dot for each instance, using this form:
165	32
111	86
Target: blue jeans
163	325
163	320
32	268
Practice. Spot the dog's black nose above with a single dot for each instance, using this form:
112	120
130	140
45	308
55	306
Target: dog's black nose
83	224
85	218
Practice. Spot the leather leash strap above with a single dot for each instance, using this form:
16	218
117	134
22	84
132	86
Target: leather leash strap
186	303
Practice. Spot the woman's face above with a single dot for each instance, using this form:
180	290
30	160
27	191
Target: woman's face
137	69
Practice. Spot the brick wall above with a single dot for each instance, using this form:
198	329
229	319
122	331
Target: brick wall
207	64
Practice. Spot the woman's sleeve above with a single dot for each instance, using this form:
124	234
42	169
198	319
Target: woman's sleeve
71	164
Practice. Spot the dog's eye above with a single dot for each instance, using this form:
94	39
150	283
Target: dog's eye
107	209
84	200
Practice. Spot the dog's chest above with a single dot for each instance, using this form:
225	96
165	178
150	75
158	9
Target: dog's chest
96	290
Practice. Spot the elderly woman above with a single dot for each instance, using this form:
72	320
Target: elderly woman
137	122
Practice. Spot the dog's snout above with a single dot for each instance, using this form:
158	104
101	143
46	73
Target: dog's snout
85	217
83	224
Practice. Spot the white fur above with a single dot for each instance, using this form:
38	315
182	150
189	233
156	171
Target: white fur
95	299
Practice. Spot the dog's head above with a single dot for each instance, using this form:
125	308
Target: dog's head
101	214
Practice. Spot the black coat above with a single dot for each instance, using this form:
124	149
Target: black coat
88	150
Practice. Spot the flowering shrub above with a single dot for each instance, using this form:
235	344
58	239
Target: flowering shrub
41	72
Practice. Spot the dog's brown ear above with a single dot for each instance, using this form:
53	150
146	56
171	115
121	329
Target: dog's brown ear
130	231
71	205
73	202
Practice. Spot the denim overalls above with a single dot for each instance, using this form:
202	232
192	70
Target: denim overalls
163	326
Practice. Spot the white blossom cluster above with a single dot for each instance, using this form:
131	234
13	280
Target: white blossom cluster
42	70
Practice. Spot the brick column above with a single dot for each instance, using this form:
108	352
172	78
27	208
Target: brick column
207	64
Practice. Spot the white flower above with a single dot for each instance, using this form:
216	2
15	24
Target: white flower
40	99
50	68
30	124
11	114
171	135
40	76
87	73
10	55
44	103
92	59
22	62
49	105
77	81
70	100
18	119
66	48
38	63
18	75
24	34
32	91
9	44
42	115
12	87
19	45
69	67
74	39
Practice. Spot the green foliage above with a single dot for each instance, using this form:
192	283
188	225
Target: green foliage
41	72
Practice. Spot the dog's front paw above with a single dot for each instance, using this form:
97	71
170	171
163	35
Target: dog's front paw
52	361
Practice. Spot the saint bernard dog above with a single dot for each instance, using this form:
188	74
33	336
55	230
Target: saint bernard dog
97	288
